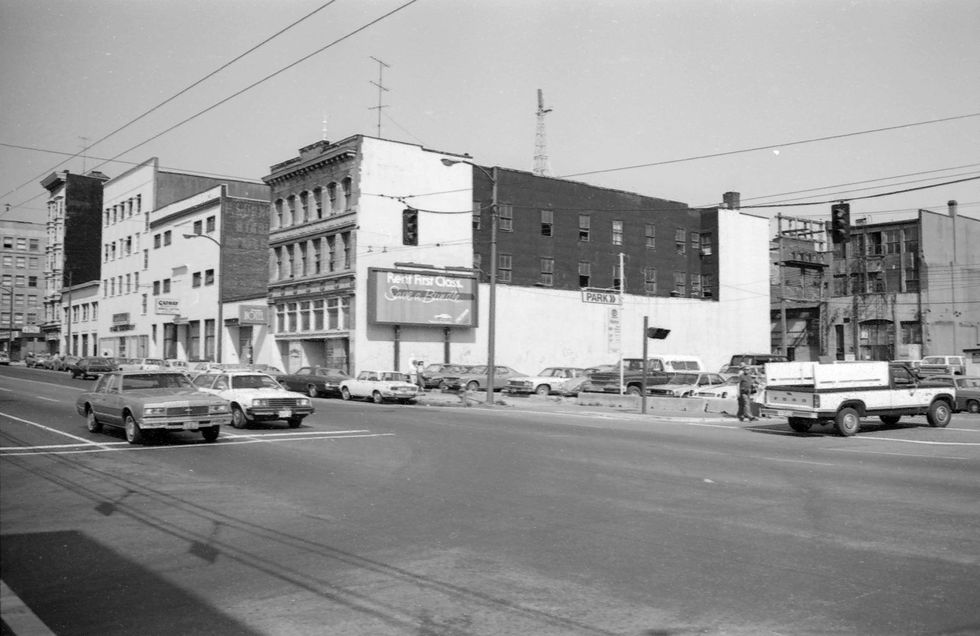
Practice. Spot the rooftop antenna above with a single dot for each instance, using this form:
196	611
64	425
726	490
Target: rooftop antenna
381	89
541	163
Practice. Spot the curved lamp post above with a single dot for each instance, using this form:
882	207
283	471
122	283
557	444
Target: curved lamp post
220	327
492	305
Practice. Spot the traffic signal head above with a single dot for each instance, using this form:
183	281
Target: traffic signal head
410	227
657	333
840	222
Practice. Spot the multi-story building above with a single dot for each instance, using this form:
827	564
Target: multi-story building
74	231
21	287
134	239
366	232
906	289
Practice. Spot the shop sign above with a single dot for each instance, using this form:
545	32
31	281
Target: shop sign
253	315
168	306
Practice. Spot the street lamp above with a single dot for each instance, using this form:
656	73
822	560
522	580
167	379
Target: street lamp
10	325
219	328
492	307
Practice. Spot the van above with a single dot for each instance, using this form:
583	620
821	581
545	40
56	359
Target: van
679	364
756	361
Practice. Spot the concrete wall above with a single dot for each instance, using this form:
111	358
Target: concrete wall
950	293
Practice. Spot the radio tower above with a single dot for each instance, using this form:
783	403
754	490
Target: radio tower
541	164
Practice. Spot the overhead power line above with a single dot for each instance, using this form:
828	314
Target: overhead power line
174	96
773	146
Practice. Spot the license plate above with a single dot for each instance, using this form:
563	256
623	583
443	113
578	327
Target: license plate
286	413
190	426
782	413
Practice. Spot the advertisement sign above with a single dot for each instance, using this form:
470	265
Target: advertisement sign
168	306
614	330
398	297
253	315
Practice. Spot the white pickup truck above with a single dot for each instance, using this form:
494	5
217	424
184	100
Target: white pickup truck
808	393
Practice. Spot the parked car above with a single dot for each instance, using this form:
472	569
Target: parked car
144	401
141	364
756	362
65	363
727	390
177	365
574	386
4	358
967	391
380	386
549	380
314	381
255	397
685	384
440	375
938	365
475	378
92	367
36	360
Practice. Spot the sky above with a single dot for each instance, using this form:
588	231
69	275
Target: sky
783	101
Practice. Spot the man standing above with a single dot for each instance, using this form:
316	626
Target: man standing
746	386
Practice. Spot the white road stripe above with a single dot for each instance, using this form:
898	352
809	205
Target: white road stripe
51	430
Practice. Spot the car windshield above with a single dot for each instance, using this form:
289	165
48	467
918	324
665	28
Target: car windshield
683	378
933	360
155	381
257	381
154	361
392	376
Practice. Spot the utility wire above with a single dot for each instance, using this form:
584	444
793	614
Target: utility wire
772	146
868	196
174	96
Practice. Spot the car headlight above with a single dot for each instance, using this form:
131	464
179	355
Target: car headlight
303	402
154	411
260	402
218	408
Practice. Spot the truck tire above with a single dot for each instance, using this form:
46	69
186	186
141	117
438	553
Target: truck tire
890	420
973	406
847	422
800	424
939	414
633	390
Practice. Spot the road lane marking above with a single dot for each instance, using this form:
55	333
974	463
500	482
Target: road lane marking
50	430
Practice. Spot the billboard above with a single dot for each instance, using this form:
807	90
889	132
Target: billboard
398	297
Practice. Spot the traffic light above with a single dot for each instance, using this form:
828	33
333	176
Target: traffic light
410	227
840	222
657	333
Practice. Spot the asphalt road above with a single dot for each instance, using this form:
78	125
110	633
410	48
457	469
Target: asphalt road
429	521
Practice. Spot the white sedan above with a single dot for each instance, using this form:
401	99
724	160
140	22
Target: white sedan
380	386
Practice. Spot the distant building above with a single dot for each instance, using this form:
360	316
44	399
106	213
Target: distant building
152	275
74	242
22	246
366	234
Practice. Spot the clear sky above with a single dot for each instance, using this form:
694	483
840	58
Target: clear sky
631	83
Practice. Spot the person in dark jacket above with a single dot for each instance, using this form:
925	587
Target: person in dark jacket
746	387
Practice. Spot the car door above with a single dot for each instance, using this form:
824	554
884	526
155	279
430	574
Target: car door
108	404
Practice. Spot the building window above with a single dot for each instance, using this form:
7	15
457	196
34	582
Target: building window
32	281
617	232
345	185
505	214
584	273
318	201
290	215
317	257
318	315
332	197
911	333
196	279
584	227
912	240
35	245
547	272
304	315
277	212
146	258
547	222
680	240
706	244
893	241
911	279
680	283
209	277
695	241
477	215
504	268
651	236
166	237
143	305
166	285
198	227
707	286
695	285
650	280
304	206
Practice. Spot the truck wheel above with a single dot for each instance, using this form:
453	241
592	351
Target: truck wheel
134	434
890	420
94	425
311	391
939	414
632	390
543	389
800	424
973	406
210	433
238	419
848	422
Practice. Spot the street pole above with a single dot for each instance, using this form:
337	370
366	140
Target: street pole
219	327
10	324
492	305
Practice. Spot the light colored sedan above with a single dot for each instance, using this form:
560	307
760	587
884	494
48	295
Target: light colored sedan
380	386
255	397
142	401
685	384
549	380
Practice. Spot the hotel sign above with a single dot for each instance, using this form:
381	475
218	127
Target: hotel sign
398	297
168	306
